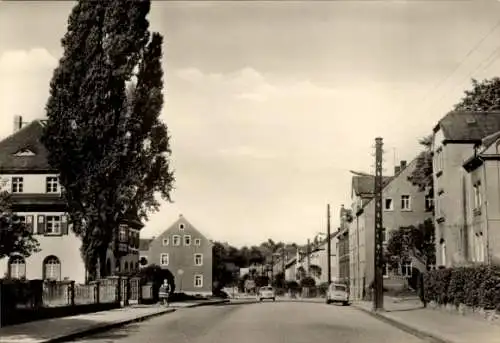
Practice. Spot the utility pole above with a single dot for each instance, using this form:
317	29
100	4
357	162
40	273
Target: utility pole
378	291
328	245
308	252
283	263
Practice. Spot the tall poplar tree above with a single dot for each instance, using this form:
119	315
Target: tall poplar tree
95	134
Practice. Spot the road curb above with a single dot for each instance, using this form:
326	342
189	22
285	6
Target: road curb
405	327
218	302
98	328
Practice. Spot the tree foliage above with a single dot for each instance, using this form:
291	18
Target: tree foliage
419	240
421	175
107	141
15	238
483	96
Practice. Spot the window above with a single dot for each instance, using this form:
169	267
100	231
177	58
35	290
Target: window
197	242
17	185
181	226
176	240
187	240
51	184
164	260
54	225
198	259
406	269
385	270
439	161
165	242
52	268
429	202
385	239
405	202
388	204
442	246
477	196
17	267
198	281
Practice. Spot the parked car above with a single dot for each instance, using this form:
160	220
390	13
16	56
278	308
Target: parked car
337	292
266	292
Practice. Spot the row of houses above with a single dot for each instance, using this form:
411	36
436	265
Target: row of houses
37	199
464	203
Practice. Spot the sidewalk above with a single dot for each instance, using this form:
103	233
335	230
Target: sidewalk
67	328
438	326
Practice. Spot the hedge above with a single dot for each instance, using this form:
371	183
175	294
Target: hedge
474	286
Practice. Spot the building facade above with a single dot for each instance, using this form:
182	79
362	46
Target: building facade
187	254
454	140
483	201
37	199
403	205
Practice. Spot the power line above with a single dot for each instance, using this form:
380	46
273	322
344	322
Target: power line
474	48
446	78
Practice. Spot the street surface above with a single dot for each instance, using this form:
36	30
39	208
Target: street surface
268	322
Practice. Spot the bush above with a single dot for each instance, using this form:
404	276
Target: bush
475	286
308	282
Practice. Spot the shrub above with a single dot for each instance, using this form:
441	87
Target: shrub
307	282
475	286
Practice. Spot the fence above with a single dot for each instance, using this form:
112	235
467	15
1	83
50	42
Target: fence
36	299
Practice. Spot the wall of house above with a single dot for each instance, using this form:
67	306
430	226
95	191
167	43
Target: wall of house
393	218
32	183
65	247
484	220
451	187
181	258
491	188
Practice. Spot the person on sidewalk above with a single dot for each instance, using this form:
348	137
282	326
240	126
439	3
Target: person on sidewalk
164	292
421	289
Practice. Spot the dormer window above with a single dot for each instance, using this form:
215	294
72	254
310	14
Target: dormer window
24	152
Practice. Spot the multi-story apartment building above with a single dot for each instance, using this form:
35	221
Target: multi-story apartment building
187	254
454	140
403	205
342	245
483	201
37	200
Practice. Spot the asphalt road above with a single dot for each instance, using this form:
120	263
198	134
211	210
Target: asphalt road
279	322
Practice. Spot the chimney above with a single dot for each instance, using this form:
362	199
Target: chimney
18	123
397	169
403	165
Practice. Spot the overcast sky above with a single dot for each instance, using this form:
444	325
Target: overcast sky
270	104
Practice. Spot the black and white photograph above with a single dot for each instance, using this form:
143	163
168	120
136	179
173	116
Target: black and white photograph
250	171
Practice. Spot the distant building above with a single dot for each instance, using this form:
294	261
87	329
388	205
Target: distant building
186	253
38	201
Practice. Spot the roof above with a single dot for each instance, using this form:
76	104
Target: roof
365	184
26	142
469	126
144	243
490	140
188	225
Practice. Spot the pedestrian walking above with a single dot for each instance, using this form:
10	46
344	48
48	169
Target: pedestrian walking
421	289
164	292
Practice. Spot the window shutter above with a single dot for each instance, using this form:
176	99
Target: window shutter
64	224
41	224
29	223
